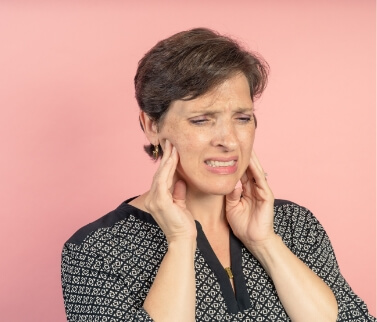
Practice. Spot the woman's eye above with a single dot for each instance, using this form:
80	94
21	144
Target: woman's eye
244	119
199	121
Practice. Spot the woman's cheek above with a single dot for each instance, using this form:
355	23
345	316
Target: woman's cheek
171	139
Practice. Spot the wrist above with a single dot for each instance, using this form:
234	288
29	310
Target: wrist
265	248
182	245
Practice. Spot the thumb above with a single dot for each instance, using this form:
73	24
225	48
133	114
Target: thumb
179	193
233	198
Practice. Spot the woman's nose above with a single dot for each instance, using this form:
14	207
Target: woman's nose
225	136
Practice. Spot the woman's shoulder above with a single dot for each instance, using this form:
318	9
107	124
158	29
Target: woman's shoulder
123	242
114	222
291	210
291	216
297	225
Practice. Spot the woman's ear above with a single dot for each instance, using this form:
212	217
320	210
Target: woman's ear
150	128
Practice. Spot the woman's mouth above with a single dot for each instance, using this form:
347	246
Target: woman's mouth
215	164
222	167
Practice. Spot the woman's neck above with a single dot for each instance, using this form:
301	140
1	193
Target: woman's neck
209	210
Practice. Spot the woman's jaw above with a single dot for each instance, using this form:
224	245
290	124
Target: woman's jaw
211	180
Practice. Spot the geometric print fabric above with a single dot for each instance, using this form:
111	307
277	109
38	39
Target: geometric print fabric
109	266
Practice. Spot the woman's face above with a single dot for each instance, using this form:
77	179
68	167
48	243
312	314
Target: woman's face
213	135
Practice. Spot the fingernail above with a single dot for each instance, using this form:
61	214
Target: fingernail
167	143
173	151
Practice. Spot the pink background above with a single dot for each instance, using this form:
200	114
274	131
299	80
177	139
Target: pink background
71	146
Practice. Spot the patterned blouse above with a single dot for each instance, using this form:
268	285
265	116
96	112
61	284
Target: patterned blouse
109	266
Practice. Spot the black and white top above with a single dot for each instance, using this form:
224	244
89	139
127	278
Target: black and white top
109	266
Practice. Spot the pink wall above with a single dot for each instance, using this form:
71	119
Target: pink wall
71	143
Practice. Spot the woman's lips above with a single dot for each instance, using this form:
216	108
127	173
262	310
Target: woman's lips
222	166
214	163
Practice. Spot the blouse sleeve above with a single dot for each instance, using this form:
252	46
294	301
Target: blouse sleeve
312	245
92	291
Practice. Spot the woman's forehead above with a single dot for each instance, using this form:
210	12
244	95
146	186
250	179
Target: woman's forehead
233	92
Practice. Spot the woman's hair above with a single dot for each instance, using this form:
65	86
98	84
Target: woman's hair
189	64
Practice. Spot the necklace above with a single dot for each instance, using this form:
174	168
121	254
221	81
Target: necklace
228	270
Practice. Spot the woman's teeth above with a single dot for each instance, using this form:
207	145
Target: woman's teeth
220	163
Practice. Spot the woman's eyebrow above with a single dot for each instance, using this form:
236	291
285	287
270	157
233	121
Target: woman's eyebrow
245	109
211	111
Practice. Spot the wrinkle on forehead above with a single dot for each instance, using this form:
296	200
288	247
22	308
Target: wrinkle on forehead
227	91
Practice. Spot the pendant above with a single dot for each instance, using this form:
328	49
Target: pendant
229	272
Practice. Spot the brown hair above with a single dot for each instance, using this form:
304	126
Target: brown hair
189	64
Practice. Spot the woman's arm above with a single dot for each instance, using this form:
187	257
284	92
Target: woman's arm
85	278
172	295
303	294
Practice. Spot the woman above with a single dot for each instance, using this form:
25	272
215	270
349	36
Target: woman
196	246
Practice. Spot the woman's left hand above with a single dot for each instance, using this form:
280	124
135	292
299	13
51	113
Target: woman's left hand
304	295
250	209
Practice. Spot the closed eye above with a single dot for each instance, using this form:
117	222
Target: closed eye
244	118
199	121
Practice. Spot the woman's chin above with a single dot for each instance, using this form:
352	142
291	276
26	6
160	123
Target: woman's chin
209	186
222	190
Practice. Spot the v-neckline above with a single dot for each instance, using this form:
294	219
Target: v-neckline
239	299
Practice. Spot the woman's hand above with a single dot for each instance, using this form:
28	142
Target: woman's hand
250	209
168	300
166	200
304	295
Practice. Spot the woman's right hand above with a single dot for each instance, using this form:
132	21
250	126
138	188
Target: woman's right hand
166	200
168	300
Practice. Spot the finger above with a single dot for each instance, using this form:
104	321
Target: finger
261	188
258	169
234	197
256	160
171	163
166	152
258	164
179	193
257	174
247	183
161	176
